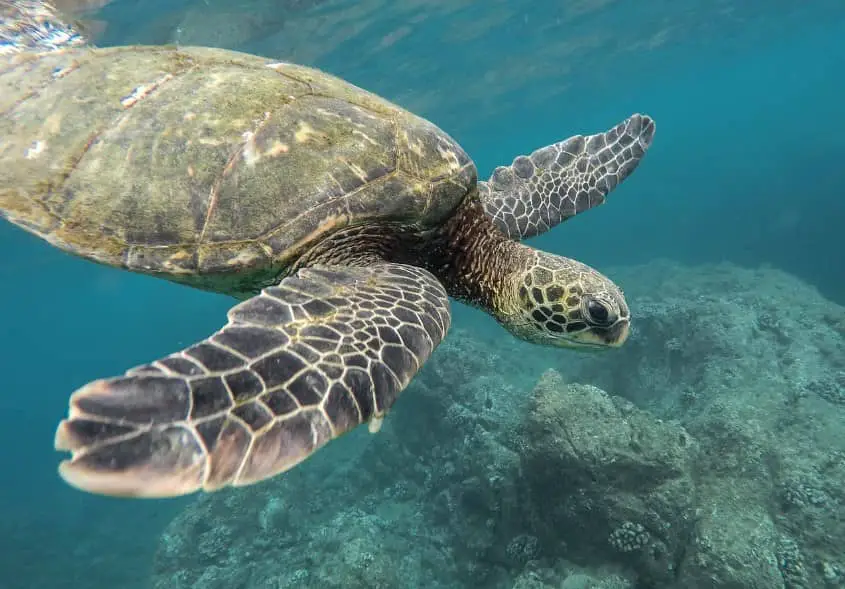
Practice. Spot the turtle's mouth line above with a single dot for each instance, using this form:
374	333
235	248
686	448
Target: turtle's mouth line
580	344
602	339
619	333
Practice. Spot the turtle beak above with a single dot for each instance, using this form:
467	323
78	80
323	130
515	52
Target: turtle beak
603	338
616	335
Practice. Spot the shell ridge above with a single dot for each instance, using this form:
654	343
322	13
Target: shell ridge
344	198
226	172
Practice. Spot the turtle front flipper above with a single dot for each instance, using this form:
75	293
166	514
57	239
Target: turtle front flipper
299	364
556	182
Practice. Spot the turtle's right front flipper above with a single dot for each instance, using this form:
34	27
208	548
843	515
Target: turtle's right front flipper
556	182
296	366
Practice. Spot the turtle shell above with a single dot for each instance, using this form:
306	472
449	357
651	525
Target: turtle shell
208	166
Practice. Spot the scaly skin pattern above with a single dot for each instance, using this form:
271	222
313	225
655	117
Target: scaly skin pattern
557	182
295	367
565	297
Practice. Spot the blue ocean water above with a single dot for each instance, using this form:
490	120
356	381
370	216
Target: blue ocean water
747	168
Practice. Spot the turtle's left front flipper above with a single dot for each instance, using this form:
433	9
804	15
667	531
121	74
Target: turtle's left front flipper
557	182
295	367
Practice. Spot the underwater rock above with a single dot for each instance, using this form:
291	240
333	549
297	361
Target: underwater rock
750	362
735	544
293	533
565	575
613	481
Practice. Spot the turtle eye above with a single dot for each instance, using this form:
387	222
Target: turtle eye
598	312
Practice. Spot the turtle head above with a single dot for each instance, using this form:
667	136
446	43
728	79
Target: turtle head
556	301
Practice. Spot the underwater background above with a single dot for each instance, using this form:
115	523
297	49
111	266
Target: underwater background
735	216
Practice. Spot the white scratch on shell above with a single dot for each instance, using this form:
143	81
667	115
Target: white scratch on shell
142	91
250	152
61	72
365	137
35	150
450	156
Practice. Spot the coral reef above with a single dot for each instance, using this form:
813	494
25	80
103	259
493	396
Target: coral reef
612	481
750	362
706	453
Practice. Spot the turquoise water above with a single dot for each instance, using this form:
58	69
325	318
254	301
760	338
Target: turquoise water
746	168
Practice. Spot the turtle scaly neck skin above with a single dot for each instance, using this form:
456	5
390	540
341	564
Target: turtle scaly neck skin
537	296
473	259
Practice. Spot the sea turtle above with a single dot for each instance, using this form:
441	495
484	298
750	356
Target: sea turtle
342	222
